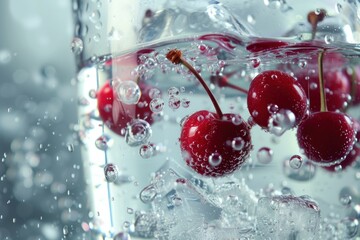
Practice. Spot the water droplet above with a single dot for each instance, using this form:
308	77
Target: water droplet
339	8
111	172
238	143
157	105
174	103
137	132
173	91
274	4
215	159
65	230
104	142
264	155
148	194
345	199
122	236
185	103
128	92
154	93
146	151
250	19
92	94
295	161
94	16
97	37
329	38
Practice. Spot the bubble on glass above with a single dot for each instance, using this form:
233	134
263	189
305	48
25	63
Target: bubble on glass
138	132
128	92
104	142
77	46
329	39
185	102
215	159
92	93
96	37
157	105
111	172
303	174
264	155
94	16
238	143
122	236
146	151
251	19
295	161
5	56
174	103
173	91
148	194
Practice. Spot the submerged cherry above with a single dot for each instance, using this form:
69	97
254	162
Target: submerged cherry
273	91
326	137
116	114
212	144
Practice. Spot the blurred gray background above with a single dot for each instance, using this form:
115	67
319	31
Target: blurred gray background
41	181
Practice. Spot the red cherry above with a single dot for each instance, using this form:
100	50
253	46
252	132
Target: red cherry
214	146
348	161
116	114
326	137
279	90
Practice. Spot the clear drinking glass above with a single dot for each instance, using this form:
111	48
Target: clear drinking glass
135	105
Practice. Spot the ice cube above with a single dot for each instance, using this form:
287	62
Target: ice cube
287	217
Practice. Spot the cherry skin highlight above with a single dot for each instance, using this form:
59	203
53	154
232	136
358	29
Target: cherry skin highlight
275	88
326	137
212	146
116	114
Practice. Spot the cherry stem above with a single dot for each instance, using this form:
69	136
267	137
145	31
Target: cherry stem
323	107
175	56
314	18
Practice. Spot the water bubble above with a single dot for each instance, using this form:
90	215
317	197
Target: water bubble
97	37
65	230
185	102
295	162
92	94
313	86
111	172
250	19
146	151
128	92
145	225
215	159
255	62
274	4
305	173
351	227
173	91
238	143
137	132
148	194
236	119
70	147
302	63
281	121
264	155
174	103
157	105
273	108
345	199
104	142
77	46
329	38
338	8
122	236
154	93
